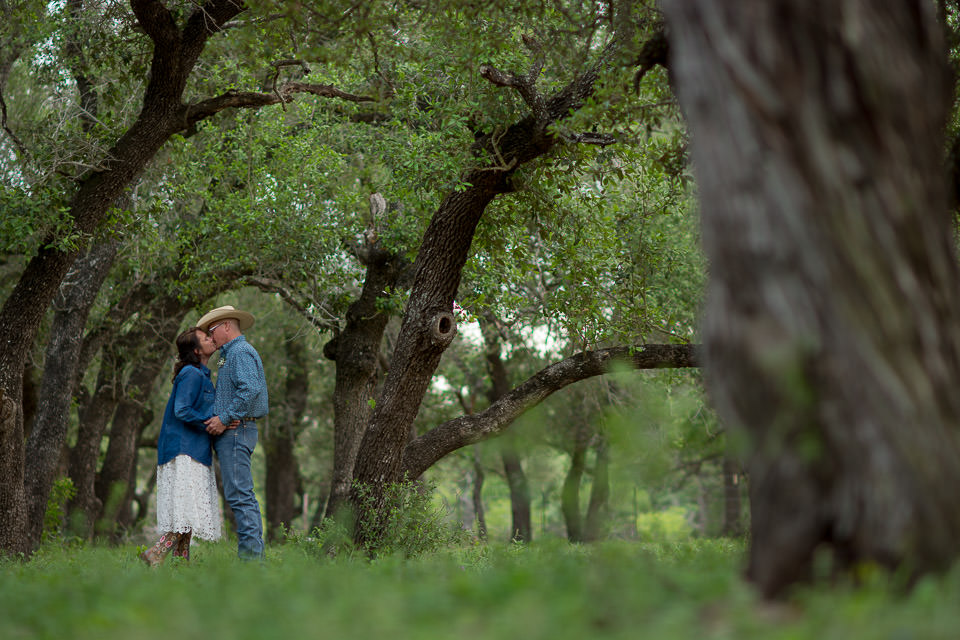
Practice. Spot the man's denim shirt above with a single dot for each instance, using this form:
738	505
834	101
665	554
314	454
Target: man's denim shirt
241	385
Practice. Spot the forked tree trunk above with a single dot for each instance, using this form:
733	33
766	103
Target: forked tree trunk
356	352
834	297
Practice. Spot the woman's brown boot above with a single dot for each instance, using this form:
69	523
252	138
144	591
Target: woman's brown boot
156	554
183	546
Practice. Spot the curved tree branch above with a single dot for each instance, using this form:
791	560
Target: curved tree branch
454	434
198	111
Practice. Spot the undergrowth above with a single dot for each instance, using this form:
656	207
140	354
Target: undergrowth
543	590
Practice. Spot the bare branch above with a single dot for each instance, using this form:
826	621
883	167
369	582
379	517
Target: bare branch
239	24
270	285
599	139
526	85
21	148
276	73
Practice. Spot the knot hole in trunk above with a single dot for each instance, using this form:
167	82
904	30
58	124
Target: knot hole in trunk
443	328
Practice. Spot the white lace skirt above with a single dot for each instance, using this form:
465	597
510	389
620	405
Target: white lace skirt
187	498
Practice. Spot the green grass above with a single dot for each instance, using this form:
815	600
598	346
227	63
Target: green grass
553	590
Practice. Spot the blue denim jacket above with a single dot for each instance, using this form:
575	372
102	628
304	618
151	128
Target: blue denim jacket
190	404
241	384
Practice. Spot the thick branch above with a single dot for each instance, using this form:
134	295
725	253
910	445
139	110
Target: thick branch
156	21
425	450
255	100
655	51
526	84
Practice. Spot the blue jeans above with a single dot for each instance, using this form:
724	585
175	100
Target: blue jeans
234	448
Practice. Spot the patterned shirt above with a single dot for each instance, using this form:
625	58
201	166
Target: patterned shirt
241	385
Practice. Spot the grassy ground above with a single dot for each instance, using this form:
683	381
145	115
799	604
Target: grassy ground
614	590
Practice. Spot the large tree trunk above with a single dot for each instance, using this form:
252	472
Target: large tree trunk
46	441
428	328
284	425
356	351
834	297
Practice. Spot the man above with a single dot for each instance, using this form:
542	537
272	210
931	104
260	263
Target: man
241	395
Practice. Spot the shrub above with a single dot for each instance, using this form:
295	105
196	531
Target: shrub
410	524
54	517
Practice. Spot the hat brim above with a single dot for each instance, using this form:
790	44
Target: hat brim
243	318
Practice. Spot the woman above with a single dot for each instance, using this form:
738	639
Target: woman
187	499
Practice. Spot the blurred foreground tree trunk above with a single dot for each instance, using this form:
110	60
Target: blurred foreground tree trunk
834	297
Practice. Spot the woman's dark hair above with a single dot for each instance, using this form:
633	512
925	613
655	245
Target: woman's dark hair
187	346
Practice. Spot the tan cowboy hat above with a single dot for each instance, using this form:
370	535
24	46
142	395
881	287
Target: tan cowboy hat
243	318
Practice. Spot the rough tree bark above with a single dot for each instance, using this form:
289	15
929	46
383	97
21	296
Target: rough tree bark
356	352
48	434
834	292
